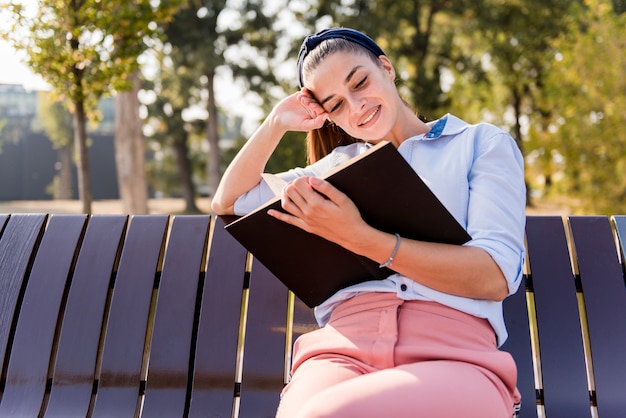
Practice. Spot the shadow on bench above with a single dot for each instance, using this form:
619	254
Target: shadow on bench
167	316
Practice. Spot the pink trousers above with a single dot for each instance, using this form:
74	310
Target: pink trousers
380	356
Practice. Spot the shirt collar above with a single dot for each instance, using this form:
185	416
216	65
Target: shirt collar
447	125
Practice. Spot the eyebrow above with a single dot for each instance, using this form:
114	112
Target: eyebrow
346	81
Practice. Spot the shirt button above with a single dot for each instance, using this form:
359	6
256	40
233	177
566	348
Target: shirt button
403	287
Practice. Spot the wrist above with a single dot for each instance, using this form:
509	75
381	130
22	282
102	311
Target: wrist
275	124
374	244
389	261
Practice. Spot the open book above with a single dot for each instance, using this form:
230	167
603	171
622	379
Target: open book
390	196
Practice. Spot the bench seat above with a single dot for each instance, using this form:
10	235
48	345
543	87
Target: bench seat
168	316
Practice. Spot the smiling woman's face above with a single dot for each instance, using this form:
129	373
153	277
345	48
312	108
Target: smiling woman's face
359	94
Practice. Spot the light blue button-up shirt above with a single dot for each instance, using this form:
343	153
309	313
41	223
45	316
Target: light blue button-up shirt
477	172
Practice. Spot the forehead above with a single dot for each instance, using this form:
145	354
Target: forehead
334	69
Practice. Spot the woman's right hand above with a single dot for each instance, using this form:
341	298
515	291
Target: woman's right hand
299	112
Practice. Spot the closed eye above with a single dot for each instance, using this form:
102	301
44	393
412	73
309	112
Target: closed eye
357	86
361	83
336	107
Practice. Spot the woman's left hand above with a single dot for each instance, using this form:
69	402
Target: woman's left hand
316	206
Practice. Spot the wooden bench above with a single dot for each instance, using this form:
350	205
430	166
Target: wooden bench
167	316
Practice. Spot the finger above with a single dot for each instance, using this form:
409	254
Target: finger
311	103
291	198
326	189
317	122
289	219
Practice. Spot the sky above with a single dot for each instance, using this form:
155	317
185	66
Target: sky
229	96
13	71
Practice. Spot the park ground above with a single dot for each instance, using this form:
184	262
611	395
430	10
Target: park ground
155	206
169	206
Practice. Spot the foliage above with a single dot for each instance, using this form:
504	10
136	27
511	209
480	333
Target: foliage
55	120
204	38
173	91
551	72
581	153
84	49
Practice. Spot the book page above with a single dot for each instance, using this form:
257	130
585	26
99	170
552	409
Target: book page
275	183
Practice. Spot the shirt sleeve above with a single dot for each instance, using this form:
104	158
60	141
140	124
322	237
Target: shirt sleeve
497	202
262	193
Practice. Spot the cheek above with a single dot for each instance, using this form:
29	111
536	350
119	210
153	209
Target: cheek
343	122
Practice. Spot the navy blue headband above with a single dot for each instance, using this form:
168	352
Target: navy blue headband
312	41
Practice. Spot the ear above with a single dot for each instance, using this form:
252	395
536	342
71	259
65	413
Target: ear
387	67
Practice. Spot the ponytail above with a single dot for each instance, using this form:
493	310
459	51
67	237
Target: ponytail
320	142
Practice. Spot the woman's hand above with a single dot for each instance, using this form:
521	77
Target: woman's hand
299	112
316	206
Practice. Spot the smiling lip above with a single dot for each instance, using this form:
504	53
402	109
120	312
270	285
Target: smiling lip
371	116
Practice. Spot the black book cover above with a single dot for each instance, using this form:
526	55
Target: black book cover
390	196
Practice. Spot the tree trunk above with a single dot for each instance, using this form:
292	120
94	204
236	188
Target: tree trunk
129	151
82	160
64	191
184	171
213	169
517	133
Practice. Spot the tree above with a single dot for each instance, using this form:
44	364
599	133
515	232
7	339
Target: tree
56	122
130	150
84	49
173	89
583	149
203	44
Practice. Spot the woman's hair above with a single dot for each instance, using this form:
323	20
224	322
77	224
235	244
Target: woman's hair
320	142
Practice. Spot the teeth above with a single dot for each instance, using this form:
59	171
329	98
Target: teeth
370	117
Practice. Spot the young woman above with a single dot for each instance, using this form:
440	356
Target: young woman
424	341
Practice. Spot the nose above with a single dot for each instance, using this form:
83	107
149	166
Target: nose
356	103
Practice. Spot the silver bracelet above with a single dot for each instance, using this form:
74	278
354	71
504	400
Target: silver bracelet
393	253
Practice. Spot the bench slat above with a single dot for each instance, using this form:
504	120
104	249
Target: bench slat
519	345
74	371
27	372
560	337
17	242
168	372
620	227
264	358
303	319
123	350
605	301
218	327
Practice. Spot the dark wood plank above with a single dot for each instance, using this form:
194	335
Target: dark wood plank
168	372
519	345
34	335
75	367
19	238
303	319
560	337
605	301
216	354
122	357
264	349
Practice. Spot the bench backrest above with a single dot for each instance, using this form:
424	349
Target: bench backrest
157	315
